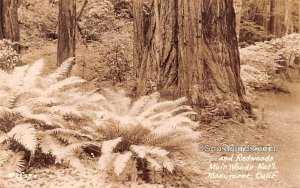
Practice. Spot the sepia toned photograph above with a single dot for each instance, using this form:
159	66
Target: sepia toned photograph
149	93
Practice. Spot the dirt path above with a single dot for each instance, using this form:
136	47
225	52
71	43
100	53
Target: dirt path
283	117
278	125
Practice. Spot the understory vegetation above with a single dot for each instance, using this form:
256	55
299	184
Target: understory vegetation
47	119
266	64
9	58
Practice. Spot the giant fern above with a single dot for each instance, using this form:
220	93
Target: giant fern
37	110
50	114
144	135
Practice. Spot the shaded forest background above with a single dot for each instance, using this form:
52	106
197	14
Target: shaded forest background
267	19
105	33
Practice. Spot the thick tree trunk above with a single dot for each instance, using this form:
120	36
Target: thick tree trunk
66	30
9	27
188	48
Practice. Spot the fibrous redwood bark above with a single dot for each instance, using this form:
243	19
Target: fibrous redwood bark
66	30
9	26
187	48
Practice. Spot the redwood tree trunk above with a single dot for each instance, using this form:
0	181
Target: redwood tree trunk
298	17
9	27
260	11
66	30
187	48
238	4
1	19
272	17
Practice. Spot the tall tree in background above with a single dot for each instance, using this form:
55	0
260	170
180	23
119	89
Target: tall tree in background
9	26
187	48
287	17
238	4
298	15
272	22
66	30
278	17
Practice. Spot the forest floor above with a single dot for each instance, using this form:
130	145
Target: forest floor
278	126
283	116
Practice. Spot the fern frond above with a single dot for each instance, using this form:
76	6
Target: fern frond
67	138
12	101
67	151
144	101
110	145
188	113
116	102
33	73
172	123
182	133
27	113
68	131
24	134
51	145
168	164
162	106
60	71
83	99
154	163
47	143
116	96
182	108
121	162
65	110
61	84
41	101
160	116
105	160
15	163
16	79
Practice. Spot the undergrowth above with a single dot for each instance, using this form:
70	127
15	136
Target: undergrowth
46	119
9	58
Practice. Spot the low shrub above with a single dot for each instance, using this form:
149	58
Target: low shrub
9	58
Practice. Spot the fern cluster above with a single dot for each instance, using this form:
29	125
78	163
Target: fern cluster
50	115
142	138
45	113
